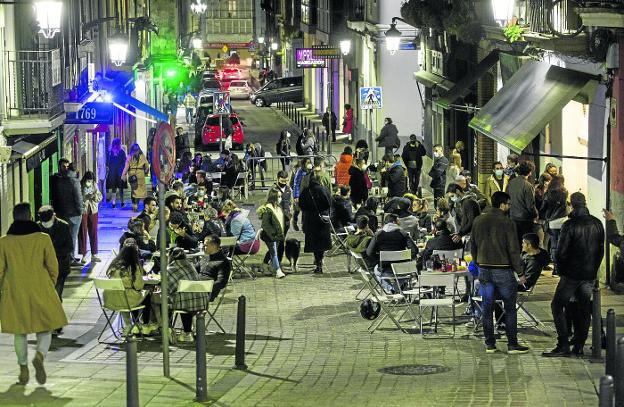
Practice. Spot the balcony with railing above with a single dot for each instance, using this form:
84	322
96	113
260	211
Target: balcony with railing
33	85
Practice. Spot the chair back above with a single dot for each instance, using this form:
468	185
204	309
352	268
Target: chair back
392	256
228	241
190	286
109	284
404	269
359	260
450	254
437	280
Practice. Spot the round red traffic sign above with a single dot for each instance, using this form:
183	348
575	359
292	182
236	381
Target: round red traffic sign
163	153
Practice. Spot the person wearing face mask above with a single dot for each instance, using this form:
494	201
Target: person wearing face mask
286	204
66	198
438	173
283	148
357	182
412	155
272	229
60	233
91	196
304	169
496	182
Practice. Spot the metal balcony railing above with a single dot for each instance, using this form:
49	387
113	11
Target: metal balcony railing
33	84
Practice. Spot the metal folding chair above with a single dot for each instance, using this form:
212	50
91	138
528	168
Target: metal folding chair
387	256
239	260
385	302
338	242
190	286
217	304
115	285
363	269
404	274
437	281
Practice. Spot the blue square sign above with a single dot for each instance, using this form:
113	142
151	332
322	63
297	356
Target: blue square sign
371	98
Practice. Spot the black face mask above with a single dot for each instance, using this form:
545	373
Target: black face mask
281	185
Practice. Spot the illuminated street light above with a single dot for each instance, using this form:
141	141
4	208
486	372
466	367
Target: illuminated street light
260	40
118	49
345	47
274	46
48	14
198	7
196	42
393	38
502	11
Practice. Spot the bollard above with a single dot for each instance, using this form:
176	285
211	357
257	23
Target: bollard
611	338
596	326
132	373
606	392
619	373
201	381
240	334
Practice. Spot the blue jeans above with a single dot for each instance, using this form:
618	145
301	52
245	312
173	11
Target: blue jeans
499	283
74	226
554	242
273	254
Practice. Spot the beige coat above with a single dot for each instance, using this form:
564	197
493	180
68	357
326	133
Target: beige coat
491	186
134	288
140	169
28	272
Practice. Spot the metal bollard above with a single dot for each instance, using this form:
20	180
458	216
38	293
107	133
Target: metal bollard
201	381
239	360
610	354
596	326
619	373
132	373
606	392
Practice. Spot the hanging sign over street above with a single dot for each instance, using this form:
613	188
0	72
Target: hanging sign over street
326	52
304	58
163	153
91	113
222	103
371	98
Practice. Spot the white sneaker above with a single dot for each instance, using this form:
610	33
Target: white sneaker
279	274
185	337
95	259
150	328
83	260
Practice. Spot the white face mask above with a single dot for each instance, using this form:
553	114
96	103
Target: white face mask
499	173
89	183
309	166
436	154
279	201
48	225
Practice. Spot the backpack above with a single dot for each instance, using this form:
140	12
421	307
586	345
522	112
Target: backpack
299	145
369	309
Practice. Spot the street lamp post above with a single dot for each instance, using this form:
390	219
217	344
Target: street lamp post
48	14
199	8
118	48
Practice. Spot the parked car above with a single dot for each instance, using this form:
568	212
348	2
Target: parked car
211	134
279	90
229	74
239	90
205	99
209	74
211	86
201	114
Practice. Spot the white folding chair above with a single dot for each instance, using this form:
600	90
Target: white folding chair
363	269
338	242
385	302
228	243
239	260
392	256
436	281
114	285
404	273
192	286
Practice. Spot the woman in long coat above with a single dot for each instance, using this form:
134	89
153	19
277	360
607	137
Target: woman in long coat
28	301
115	163
357	182
315	203
135	171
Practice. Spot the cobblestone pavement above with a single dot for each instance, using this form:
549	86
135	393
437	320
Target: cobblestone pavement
306	345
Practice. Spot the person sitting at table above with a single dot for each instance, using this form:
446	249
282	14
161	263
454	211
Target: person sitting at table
149	216
444	211
390	238
237	224
136	230
127	267
358	242
442	240
199	200
420	209
181	233
180	268
370	209
178	188
204	181
534	259
215	265
342	211
174	202
408	221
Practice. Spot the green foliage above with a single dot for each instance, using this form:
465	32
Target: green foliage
457	18
165	42
514	33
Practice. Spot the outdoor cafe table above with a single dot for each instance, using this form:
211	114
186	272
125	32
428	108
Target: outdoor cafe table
457	274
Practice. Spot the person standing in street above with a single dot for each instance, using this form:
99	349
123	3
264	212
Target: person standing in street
347	121
60	233
91	196
554	211
136	169
315	203
358	182
181	143
283	149
272	233
330	126
66	198
523	211
115	162
496	182
28	302
388	138
286	203
438	173
189	105
579	253
412	155
393	176
495	249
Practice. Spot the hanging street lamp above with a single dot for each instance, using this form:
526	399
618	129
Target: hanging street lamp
345	47
118	48
274	46
261	40
393	38
48	14
196	42
198	7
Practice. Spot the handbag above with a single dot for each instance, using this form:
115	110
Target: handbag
132	179
324	218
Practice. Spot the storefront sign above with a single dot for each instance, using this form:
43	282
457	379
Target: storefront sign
304	58
164	153
92	113
322	52
229	45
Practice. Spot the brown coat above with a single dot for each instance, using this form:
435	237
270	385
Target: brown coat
140	169
28	271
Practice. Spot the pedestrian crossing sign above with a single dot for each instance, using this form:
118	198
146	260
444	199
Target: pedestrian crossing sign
371	98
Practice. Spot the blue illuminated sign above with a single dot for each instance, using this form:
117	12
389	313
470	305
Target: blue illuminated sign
91	113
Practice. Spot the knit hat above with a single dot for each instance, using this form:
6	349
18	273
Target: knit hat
577	200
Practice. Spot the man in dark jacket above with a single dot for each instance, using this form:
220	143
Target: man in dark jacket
388	138
534	259
496	251
441	241
60	234
342	212
466	209
393	177
181	142
215	266
413	154
330	127
438	173
523	211
66	198
390	238
579	253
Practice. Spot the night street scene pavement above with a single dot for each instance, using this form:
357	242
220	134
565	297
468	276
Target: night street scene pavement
311	203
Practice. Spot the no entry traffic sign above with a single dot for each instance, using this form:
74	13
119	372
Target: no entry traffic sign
163	153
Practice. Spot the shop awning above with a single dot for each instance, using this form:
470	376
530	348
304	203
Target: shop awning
137	104
524	106
432	80
462	87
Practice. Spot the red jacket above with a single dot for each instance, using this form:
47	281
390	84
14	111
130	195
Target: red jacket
341	172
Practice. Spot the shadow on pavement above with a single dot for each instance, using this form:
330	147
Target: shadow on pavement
16	396
216	344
